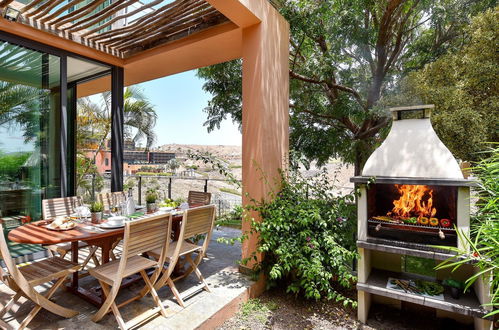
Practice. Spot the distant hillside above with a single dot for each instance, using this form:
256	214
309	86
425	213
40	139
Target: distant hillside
227	152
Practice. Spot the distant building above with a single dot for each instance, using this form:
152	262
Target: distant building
135	157
158	157
132	159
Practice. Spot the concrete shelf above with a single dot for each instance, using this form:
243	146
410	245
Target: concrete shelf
406	249
467	304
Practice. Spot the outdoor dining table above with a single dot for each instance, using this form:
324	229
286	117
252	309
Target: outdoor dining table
36	233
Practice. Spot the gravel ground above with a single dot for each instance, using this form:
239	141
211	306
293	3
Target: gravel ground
278	310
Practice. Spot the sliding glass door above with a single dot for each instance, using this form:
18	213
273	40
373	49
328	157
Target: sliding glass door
30	131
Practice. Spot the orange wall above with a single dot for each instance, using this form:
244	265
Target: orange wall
265	106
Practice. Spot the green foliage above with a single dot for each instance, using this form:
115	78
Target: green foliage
96	207
232	218
484	243
307	237
256	309
151	197
10	164
464	87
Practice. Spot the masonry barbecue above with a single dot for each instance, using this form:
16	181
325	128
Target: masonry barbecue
413	196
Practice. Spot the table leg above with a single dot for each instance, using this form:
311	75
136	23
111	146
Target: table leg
74	258
105	249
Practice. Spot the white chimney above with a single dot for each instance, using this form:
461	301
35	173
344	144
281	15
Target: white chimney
412	149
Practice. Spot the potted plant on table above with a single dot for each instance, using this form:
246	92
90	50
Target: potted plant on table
96	212
151	198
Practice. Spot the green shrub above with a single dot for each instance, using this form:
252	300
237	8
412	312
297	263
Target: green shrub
484	242
307	237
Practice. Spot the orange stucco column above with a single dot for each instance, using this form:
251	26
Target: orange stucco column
265	106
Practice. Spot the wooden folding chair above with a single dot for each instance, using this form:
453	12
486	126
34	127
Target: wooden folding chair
198	198
23	281
140	236
65	206
196	221
111	198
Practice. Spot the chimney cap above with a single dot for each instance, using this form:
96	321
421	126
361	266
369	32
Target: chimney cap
413	107
424	109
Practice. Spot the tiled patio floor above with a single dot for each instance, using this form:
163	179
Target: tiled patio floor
219	269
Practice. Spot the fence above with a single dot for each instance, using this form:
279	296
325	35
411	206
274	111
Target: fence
225	195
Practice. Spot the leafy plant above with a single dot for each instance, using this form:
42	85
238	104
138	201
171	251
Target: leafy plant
96	207
151	197
453	283
307	237
484	243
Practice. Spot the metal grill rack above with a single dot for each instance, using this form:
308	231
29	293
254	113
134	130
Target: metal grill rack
411	226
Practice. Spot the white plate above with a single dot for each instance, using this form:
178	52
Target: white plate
117	218
165	208
106	225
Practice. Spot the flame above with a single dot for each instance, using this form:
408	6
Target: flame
412	201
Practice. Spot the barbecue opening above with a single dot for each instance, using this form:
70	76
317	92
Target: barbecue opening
413	213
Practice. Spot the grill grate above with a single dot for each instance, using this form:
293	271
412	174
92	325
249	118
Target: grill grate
409	226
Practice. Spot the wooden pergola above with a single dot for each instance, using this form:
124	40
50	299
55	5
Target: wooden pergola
155	23
146	41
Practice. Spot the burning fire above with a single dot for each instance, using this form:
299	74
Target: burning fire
412	201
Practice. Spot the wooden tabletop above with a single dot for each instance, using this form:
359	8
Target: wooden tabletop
36	233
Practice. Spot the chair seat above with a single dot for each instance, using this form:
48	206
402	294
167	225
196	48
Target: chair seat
107	272
186	248
47	270
63	248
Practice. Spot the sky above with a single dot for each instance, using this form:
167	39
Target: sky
179	101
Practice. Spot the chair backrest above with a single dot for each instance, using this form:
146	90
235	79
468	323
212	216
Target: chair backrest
197	221
62	206
199	198
111	198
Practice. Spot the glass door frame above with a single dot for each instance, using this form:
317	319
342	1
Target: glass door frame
68	113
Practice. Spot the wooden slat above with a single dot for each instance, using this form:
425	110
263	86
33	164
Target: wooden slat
43	9
141	22
100	16
59	206
117	18
5	3
74	15
155	28
164	23
60	10
199	197
30	5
